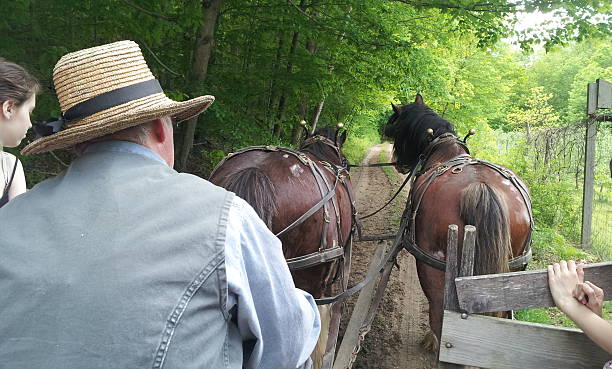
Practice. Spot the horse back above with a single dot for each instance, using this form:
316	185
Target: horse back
296	188
441	206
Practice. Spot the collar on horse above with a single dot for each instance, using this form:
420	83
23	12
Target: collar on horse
328	142
455	165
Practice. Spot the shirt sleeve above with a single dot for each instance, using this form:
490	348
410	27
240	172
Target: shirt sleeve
281	320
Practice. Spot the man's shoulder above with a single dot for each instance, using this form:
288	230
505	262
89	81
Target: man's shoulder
198	182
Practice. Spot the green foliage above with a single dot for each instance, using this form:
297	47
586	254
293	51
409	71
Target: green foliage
534	111
556	204
355	56
565	72
355	149
549	246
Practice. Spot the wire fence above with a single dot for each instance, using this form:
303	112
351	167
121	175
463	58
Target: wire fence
555	156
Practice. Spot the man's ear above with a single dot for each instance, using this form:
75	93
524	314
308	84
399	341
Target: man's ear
161	131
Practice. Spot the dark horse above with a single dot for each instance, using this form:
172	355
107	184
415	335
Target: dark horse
282	185
453	188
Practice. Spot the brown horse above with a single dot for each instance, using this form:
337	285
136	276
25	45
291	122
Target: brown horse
282	185
453	188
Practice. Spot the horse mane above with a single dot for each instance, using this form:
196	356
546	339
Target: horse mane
411	137
318	148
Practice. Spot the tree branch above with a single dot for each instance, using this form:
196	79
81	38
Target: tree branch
148	12
160	62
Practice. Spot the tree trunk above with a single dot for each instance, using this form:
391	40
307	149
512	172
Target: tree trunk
317	115
298	129
204	45
282	102
272	100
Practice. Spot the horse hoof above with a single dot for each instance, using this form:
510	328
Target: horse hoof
430	342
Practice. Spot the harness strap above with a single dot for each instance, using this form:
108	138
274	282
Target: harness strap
320	257
387	262
392	198
456	164
311	211
320	179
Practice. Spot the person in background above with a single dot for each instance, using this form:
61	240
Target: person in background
17	99
581	301
125	263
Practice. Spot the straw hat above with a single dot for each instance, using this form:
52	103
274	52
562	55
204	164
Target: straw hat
105	89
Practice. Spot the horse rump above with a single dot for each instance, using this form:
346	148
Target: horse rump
255	187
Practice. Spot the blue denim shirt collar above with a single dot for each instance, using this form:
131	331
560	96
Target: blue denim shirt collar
123	146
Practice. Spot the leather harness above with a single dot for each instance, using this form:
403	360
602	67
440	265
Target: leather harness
328	192
455	165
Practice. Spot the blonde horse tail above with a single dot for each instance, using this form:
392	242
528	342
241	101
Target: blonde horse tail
483	207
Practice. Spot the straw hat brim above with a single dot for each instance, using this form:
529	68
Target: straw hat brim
118	118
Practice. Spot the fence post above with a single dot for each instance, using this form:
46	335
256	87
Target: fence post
451	302
589	181
467	254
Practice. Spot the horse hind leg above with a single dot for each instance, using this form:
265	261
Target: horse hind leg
319	351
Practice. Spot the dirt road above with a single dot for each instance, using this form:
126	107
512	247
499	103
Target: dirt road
401	321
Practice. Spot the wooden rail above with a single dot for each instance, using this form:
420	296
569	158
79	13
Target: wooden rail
502	343
519	290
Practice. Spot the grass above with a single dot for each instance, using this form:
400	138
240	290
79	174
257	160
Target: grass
400	202
355	149
601	234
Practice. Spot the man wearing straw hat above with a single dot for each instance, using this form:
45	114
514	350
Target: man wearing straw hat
121	262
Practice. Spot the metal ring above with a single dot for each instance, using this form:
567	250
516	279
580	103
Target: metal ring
456	170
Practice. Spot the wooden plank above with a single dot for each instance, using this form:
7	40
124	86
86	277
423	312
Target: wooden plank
520	290
468	252
507	344
350	340
450	295
589	183
604	94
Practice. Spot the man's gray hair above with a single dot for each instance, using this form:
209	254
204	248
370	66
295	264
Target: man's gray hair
137	134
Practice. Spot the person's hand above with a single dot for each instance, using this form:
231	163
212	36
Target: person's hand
588	293
562	280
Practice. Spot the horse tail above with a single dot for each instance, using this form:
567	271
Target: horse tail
483	207
255	187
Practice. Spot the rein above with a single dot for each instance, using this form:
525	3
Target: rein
406	221
372	165
442	138
388	202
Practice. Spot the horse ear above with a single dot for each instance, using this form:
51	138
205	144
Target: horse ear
342	139
396	109
418	99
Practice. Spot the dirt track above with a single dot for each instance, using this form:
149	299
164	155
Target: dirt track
401	321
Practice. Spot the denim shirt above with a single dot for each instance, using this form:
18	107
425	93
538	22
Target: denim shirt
59	281
253	256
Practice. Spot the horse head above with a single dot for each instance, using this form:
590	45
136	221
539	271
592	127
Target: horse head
326	144
412	127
